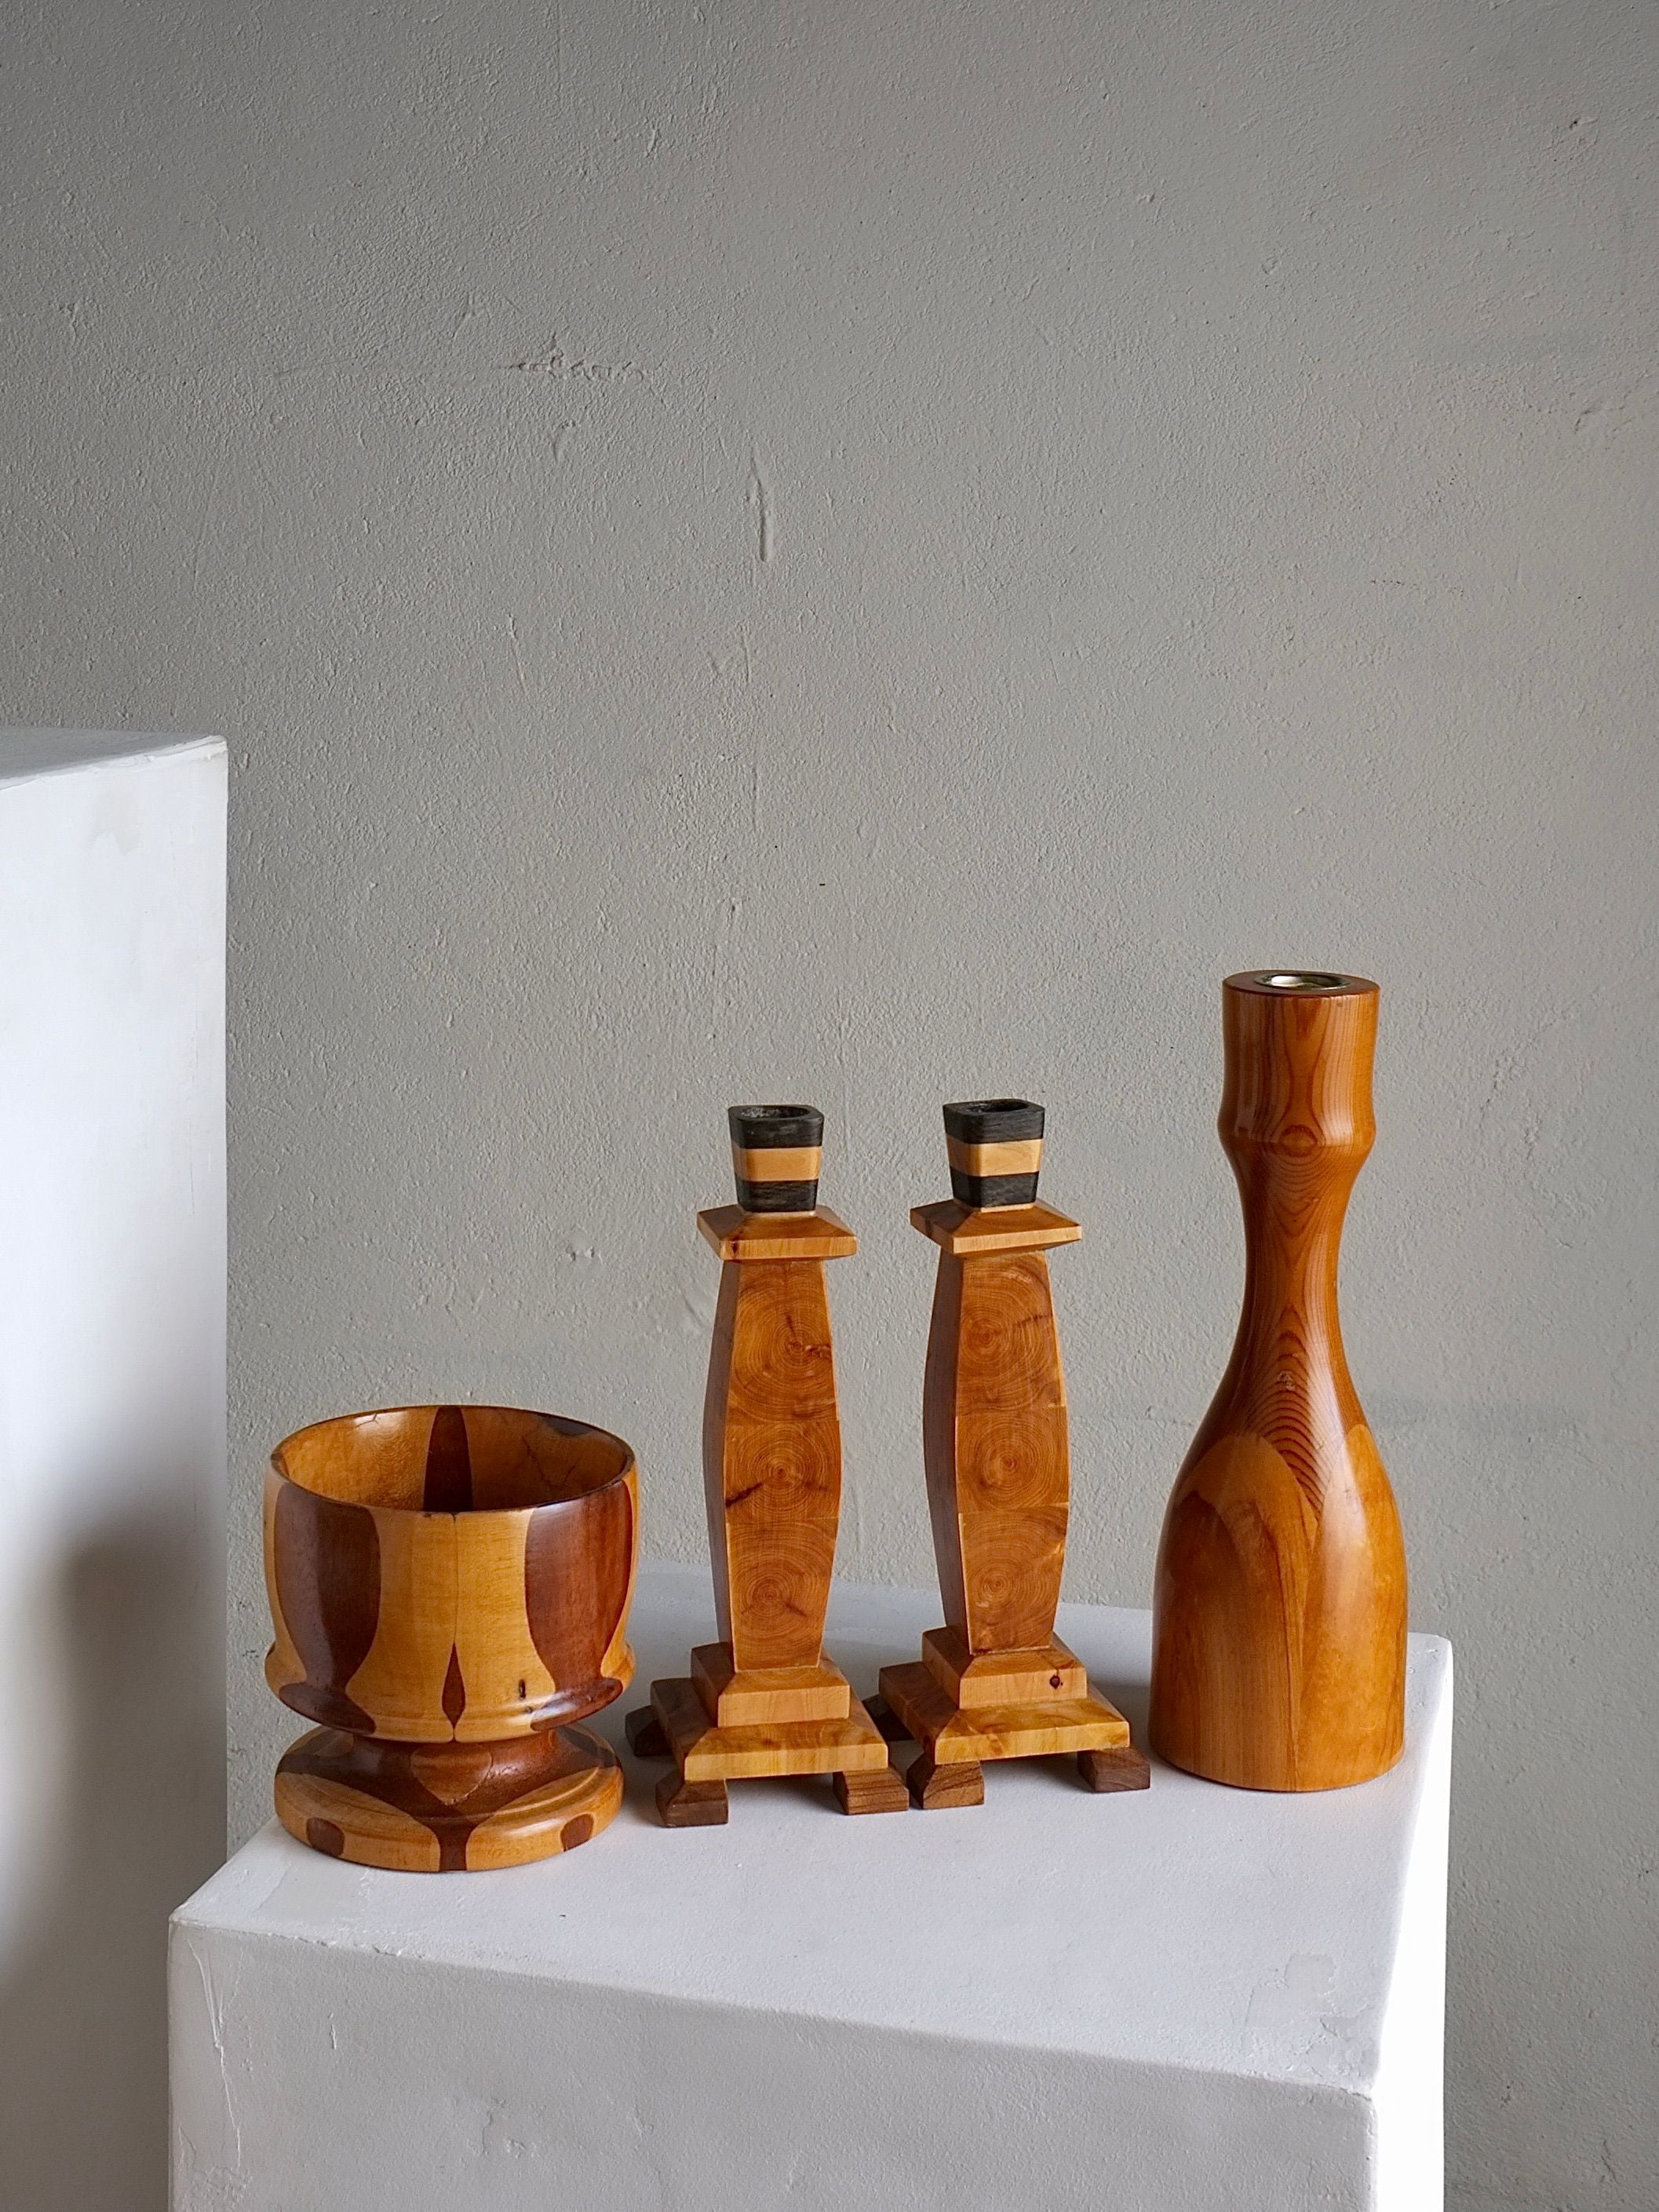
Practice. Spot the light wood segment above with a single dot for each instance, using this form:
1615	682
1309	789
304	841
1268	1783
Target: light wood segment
762	1696
1107	1772
1280	1602
781	1164
1002	1678
973	1229
401	1682
871	1792
494	1648
935	1722
683	1804
938	1788
736	1234
704	1753
772	1463
1020	1156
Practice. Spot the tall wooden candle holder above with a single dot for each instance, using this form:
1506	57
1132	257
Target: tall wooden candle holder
1279	1627
764	1699
993	1682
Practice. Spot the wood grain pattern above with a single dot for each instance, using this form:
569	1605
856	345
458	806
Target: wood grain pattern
484	1625
995	1442
772	1461
969	1230
764	1700
931	1717
737	1235
873	1792
1002	1678
1106	1772
1280	1602
442	1808
706	1752
993	1683
760	1696
940	1786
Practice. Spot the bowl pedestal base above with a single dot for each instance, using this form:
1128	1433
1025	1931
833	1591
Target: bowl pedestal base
444	1807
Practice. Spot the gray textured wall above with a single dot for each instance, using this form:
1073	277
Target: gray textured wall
875	553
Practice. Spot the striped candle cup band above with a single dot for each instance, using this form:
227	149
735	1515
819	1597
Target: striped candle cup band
776	1152
995	1146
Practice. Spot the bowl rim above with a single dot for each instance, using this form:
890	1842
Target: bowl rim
569	1423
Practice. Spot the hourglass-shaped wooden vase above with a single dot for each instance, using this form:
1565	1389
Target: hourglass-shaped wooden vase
994	1682
1280	1626
764	1699
449	1587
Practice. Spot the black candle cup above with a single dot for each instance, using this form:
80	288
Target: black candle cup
776	1151
995	1148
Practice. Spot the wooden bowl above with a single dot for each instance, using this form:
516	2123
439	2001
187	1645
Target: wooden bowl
450	1588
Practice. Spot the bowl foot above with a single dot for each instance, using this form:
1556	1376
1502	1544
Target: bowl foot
442	1808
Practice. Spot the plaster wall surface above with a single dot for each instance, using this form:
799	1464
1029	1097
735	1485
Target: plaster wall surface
874	555
111	1437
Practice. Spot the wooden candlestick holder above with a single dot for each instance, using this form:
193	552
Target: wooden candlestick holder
1279	1658
993	1682
764	1699
449	1587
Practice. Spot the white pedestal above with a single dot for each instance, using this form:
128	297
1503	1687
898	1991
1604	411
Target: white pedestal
112	1437
1189	1999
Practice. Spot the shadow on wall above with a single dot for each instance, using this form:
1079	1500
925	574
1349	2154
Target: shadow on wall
139	1824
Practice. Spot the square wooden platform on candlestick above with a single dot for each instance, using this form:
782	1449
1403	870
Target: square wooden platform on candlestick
993	1682
764	1699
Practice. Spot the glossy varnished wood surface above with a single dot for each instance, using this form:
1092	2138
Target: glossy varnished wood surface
993	1683
1280	1602
764	1699
995	1445
967	1230
735	1235
446	1584
443	1808
772	1461
1027	1730
734	1697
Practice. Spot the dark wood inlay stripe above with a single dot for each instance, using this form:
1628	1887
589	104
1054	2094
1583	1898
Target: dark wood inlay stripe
777	1197
993	1121
993	1190
576	1558
454	1697
328	1573
448	1464
760	1128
